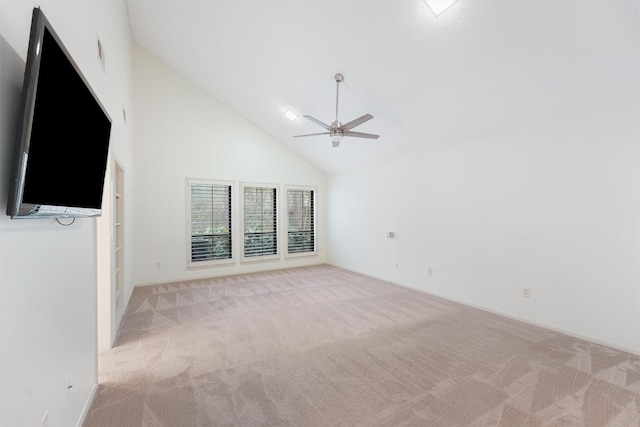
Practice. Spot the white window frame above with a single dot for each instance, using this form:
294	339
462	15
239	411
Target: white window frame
241	235
188	239
285	209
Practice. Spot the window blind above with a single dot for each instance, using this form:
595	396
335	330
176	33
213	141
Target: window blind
301	221
210	214
260	221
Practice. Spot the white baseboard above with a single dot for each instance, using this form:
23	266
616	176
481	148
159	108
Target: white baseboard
213	274
612	345
87	405
574	334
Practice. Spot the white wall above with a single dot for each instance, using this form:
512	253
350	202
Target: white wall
115	35
47	271
181	132
553	207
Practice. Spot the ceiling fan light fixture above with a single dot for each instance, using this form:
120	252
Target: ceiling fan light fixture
438	7
336	137
290	115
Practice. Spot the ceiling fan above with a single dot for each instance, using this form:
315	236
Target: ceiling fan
338	130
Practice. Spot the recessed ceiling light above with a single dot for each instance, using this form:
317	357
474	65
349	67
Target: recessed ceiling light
290	115
439	6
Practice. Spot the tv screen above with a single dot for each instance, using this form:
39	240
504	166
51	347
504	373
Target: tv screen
62	151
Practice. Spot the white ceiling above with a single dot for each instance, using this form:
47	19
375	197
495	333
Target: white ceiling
483	65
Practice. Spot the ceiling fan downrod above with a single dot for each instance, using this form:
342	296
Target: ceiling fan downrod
339	78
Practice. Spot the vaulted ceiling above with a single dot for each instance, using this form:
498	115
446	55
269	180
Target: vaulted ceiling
482	66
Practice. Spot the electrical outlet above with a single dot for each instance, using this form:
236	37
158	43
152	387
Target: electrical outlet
45	419
430	271
526	292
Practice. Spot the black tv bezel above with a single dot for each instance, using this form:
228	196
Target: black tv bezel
16	207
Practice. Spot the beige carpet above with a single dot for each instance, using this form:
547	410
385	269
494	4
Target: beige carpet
322	346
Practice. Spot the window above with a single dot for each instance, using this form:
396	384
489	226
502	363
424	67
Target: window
209	221
301	227
260	221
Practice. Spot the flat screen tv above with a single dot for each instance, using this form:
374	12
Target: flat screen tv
61	155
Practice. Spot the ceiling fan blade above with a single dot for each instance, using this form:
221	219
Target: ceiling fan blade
361	135
319	123
312	134
356	122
